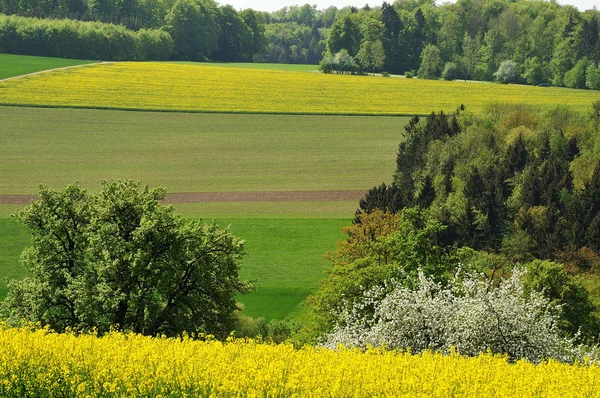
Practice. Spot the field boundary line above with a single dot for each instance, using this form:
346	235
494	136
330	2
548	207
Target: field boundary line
236	196
54	69
208	111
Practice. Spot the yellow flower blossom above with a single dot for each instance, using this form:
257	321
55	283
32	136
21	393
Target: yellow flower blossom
184	87
40	363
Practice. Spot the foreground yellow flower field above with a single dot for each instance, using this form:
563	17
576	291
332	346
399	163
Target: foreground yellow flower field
43	364
184	87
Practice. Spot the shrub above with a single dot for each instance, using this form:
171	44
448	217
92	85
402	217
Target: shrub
451	71
507	72
470	316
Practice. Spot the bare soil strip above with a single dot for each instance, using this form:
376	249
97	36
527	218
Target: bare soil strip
206	197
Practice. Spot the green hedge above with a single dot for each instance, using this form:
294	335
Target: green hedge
67	38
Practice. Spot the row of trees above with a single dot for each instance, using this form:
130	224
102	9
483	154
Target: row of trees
190	30
83	40
533	42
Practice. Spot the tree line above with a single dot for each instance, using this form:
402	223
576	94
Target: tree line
194	30
532	42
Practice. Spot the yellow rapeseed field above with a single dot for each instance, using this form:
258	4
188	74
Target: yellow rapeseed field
43	364
163	86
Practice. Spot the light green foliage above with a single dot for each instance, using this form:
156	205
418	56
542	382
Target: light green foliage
451	71
16	65
562	61
552	280
534	71
430	63
592	76
120	259
82	40
371	55
576	77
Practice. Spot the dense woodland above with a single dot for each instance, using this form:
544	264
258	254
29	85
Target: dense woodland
531	42
477	194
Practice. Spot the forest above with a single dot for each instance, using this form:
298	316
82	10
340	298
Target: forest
474	194
528	42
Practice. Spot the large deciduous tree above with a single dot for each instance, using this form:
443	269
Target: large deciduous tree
193	26
345	34
120	259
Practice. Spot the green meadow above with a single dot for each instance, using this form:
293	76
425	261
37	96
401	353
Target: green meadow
16	65
285	241
195	152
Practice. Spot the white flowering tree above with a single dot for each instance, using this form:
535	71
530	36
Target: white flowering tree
470	316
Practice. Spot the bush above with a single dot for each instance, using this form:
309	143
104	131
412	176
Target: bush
327	64
451	71
507	72
341	62
576	77
471	317
409	74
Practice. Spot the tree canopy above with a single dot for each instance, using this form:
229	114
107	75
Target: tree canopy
119	259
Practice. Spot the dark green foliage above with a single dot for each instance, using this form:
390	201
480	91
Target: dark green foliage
193	26
516	157
82	40
504	183
381	197
235	37
345	35
391	39
451	71
119	259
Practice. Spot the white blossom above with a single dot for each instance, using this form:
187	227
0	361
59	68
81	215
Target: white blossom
470	316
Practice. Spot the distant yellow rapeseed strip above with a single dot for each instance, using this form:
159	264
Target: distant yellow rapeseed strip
41	364
163	86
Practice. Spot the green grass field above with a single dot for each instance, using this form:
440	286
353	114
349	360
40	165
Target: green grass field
195	152
14	237
285	241
284	258
16	65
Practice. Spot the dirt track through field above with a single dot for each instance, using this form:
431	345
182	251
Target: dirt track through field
205	197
